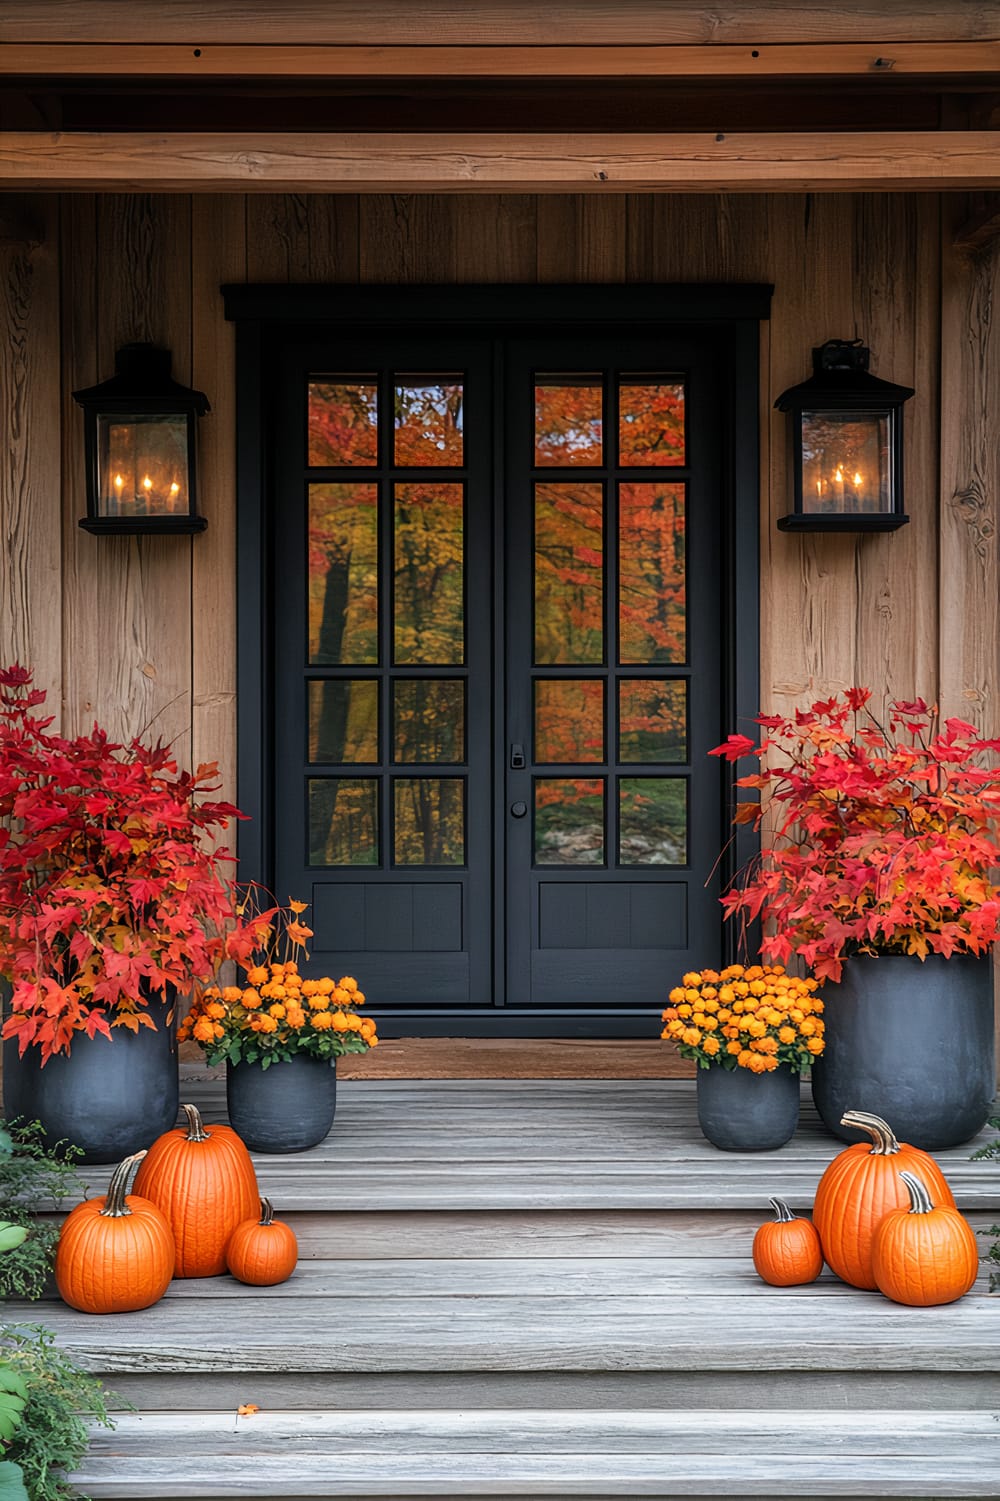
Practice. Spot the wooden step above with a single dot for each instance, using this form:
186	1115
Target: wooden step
461	1145
549	1453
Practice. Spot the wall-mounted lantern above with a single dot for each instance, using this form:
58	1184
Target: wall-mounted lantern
846	429
139	430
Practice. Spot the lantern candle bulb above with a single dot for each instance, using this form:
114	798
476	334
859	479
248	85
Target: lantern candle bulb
838	487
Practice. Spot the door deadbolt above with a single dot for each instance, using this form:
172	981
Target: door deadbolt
518	810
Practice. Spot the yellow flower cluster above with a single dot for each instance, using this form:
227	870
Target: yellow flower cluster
278	1000
756	1018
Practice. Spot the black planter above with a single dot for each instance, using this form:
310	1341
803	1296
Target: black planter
739	1111
288	1107
112	1097
911	1042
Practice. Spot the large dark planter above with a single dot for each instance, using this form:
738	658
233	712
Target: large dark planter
740	1111
287	1107
911	1042
111	1097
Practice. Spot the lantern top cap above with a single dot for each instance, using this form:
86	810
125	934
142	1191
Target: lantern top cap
142	376
841	378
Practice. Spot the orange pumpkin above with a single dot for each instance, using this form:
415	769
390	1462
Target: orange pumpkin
926	1254
786	1250
860	1187
262	1252
204	1182
116	1254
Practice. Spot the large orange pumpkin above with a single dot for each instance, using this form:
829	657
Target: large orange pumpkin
926	1254
204	1182
262	1251
860	1187
786	1250
116	1254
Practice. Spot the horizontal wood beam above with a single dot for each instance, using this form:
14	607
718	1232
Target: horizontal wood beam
511	163
787	60
494	22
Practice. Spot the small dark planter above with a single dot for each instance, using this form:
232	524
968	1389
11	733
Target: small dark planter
743	1112
911	1042
110	1097
288	1107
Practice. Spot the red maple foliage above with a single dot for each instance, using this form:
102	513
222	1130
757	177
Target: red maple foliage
884	836
110	891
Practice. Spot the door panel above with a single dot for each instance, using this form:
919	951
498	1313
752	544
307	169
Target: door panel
382	626
614	673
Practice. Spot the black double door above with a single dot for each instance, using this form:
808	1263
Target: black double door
496	601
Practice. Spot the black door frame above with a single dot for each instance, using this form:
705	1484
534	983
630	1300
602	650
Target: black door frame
267	315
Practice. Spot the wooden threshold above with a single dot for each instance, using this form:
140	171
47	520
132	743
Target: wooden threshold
783	60
501	162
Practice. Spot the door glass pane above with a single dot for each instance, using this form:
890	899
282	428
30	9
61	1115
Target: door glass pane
428	420
568	419
569	720
343	574
343	720
569	573
653	820
651	597
428	608
428	717
429	817
652	723
343	420
343	820
650	420
569	821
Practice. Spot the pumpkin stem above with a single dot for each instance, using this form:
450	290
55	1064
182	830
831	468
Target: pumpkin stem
881	1133
115	1205
266	1211
920	1199
782	1212
196	1131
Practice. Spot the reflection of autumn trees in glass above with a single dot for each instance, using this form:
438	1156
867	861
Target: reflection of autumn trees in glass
343	821
569	821
568	420
653	820
650	422
569	573
343	574
569	720
652	583
653	722
343	422
428	421
428	720
429	820
428	606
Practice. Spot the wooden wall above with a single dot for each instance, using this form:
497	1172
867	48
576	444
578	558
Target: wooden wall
142	634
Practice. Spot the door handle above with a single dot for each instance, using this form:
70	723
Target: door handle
518	810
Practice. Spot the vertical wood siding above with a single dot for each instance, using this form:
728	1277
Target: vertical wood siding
145	635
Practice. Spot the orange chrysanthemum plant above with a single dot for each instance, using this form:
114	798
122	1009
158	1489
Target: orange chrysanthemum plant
755	1018
276	1013
886	836
112	889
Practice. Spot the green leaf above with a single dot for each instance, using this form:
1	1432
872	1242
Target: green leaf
11	1235
13	1396
12	1482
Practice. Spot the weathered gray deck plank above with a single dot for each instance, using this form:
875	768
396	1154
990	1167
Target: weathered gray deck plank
550	1453
461	1145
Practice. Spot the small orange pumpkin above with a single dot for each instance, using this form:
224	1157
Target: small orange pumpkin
860	1187
205	1184
116	1254
786	1250
262	1252
926	1254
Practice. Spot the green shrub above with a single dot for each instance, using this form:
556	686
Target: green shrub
33	1176
52	1436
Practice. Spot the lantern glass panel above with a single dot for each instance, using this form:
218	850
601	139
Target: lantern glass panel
142	464
846	463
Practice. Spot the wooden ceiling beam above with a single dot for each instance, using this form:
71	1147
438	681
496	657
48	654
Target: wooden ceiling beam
949	60
501	162
495	22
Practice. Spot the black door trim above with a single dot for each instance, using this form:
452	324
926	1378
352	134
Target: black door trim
266	315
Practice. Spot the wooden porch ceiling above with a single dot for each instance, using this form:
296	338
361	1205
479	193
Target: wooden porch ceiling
501	162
